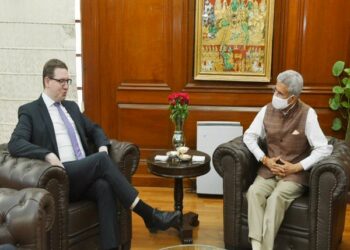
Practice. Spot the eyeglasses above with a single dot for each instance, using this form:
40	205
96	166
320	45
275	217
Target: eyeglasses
62	81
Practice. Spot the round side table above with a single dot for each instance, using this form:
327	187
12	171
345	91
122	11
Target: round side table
178	170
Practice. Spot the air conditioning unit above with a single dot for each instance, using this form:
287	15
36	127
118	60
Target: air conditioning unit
211	134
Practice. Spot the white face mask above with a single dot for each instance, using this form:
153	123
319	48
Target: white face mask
279	103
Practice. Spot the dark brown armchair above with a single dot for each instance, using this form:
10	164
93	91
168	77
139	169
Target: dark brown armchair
313	221
76	224
26	216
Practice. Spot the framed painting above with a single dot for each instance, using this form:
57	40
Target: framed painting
233	40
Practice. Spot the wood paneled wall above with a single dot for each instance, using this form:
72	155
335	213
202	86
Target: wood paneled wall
136	52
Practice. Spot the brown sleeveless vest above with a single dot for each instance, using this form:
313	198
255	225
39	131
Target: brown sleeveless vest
285	137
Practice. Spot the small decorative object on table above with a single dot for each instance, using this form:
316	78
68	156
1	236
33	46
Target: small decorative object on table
182	153
182	150
178	106
173	155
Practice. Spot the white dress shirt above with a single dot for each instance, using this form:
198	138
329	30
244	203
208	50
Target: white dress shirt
65	148
313	132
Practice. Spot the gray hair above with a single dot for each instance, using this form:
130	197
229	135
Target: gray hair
293	80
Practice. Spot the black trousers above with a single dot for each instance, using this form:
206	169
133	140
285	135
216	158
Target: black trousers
97	178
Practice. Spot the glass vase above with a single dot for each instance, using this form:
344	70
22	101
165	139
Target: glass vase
178	137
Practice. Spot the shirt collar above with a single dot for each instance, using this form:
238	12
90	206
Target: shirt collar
47	100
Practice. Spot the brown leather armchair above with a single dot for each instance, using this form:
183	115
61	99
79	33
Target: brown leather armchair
76	224
313	221
25	217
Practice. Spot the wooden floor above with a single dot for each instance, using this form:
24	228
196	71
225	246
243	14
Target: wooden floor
210	230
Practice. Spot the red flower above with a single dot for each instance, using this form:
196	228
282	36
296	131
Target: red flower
178	105
179	97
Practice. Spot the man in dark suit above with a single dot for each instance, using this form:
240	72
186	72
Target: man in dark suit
54	130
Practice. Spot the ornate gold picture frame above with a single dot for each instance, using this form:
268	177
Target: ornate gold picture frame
233	40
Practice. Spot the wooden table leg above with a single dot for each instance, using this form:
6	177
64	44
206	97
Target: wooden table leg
178	195
188	220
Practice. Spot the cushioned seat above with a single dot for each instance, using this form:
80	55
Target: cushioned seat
299	209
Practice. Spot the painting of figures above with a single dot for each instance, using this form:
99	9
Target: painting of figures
233	40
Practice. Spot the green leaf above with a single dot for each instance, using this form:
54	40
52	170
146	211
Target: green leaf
346	81
337	124
338	90
347	92
347	71
338	68
334	103
345	104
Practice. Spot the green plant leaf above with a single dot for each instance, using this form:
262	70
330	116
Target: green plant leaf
337	124
338	68
347	71
345	104
334	103
346	81
341	98
347	92
338	90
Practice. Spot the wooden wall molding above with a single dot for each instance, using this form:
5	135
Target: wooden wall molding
191	108
143	86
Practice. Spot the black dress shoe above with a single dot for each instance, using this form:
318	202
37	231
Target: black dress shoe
163	220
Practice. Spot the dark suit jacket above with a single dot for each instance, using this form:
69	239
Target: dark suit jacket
34	136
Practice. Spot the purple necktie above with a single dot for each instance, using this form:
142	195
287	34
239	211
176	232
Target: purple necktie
71	132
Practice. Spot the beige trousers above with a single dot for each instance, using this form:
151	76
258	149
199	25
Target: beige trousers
268	199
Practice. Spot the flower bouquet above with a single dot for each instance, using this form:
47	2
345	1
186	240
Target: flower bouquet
178	106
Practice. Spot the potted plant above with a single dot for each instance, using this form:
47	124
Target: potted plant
341	100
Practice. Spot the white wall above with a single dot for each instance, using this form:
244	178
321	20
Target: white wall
31	33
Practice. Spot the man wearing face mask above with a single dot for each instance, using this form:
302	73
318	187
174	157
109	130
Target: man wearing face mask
295	142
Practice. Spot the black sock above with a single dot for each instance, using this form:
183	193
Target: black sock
144	210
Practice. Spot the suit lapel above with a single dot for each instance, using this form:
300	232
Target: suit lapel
48	122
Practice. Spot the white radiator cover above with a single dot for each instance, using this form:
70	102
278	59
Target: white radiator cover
211	134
